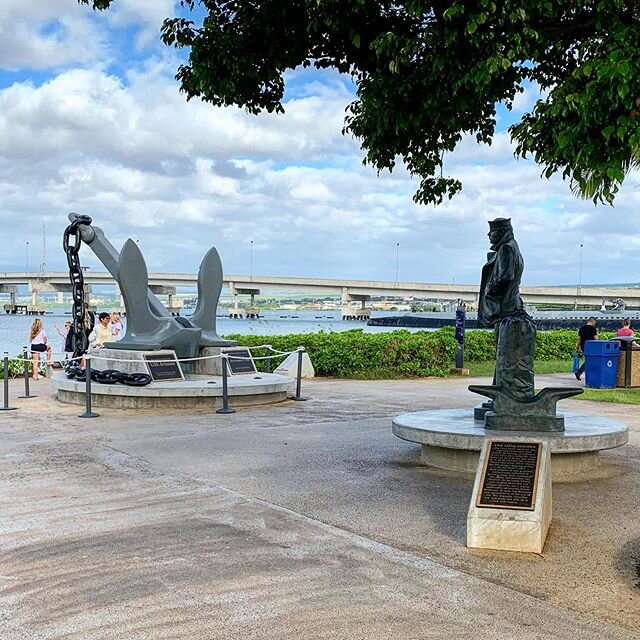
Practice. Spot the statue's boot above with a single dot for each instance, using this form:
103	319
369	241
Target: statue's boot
210	278
145	329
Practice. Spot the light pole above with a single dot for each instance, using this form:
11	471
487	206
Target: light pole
580	271
251	259
27	257
397	256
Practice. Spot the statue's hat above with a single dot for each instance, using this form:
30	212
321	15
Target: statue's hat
500	223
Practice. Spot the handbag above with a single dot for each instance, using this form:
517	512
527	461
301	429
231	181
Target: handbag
576	362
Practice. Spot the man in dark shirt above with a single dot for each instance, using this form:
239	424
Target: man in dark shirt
586	332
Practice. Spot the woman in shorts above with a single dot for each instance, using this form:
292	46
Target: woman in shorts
39	344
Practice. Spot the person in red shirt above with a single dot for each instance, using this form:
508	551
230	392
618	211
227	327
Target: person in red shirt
625	330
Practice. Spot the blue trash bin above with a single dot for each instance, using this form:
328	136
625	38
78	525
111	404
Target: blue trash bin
601	363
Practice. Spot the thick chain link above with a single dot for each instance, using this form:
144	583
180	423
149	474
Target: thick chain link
71	243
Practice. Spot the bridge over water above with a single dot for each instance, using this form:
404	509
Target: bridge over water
349	290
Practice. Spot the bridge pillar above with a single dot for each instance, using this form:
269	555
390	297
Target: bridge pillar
238	312
349	312
60	297
34	298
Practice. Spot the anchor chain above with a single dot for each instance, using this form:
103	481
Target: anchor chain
71	243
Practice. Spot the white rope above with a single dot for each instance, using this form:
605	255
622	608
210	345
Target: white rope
88	355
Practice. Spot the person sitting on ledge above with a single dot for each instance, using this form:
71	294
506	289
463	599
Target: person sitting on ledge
102	332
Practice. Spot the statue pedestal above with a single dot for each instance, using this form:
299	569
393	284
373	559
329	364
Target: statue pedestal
125	360
210	366
132	361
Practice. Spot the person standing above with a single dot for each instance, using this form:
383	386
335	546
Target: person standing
116	325
586	332
64	334
625	331
39	344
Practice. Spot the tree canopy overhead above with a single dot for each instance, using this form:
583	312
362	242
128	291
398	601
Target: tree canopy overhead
430	72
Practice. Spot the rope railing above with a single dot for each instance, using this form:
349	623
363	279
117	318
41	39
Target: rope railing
95	354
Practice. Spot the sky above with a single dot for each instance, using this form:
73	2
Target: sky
92	121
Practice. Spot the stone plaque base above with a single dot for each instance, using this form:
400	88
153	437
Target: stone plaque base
210	366
124	360
289	366
512	529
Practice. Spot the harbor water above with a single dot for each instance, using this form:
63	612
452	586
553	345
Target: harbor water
14	329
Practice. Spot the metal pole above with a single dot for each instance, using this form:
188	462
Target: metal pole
225	408
25	358
87	391
580	272
397	256
6	406
267	362
460	331
299	377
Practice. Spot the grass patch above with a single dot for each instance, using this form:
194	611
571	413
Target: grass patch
620	396
540	366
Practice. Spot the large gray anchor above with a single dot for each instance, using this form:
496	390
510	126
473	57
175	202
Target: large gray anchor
150	325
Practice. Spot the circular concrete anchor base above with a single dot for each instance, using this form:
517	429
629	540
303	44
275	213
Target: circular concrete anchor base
194	392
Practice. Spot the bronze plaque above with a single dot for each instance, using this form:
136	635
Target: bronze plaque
163	366
242	362
510	475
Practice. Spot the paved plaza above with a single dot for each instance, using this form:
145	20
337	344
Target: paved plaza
301	520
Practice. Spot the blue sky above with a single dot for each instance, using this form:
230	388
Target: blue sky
91	120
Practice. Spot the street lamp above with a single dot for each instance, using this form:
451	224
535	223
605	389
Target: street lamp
27	257
580	271
251	258
397	255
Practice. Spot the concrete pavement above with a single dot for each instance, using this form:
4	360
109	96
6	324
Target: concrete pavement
303	520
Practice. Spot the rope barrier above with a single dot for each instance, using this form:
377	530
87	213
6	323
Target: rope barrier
211	357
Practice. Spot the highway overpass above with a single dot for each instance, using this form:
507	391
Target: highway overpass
360	290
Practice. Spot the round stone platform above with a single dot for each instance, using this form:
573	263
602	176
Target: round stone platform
194	392
451	439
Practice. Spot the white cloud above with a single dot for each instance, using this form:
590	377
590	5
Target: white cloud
181	177
42	34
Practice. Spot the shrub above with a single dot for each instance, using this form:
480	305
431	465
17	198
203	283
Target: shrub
356	354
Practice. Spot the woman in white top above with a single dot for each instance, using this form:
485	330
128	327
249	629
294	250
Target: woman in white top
116	325
39	344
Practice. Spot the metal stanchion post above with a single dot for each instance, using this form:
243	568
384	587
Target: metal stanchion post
267	362
87	391
225	408
6	406
299	378
25	357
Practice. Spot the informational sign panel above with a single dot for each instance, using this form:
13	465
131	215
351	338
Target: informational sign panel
163	366
510	476
240	361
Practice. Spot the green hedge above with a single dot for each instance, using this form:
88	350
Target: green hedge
550	345
356	354
400	354
16	367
